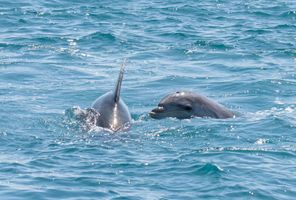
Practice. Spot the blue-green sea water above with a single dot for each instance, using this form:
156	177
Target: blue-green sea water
57	54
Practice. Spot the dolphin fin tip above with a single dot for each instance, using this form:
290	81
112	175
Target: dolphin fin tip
119	81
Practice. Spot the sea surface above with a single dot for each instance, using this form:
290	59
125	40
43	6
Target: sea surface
59	54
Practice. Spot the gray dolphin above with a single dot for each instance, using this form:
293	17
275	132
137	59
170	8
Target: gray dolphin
112	112
184	105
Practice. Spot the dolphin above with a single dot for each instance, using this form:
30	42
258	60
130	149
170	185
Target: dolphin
112	112
185	105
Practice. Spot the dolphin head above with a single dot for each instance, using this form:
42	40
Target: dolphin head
178	105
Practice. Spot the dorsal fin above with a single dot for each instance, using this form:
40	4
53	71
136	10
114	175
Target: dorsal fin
119	81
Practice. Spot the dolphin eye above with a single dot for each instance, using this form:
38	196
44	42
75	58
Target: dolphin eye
160	105
186	107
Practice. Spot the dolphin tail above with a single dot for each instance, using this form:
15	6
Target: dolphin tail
119	81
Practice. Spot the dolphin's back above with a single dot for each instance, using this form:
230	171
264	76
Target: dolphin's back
112	115
113	112
205	107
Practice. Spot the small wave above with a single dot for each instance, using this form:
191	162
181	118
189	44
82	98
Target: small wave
289	14
258	149
261	141
285	26
48	40
261	14
273	112
202	44
137	119
108	37
12	46
257	31
209	169
175	35
102	16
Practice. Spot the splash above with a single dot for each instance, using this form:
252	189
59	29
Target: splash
86	119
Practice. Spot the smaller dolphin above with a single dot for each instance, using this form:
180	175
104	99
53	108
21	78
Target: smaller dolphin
184	105
113	113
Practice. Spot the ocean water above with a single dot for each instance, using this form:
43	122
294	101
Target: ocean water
57	54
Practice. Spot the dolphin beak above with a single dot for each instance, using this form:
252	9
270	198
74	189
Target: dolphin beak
154	113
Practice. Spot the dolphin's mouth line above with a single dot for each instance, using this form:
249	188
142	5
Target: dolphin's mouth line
157	110
155	113
152	113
